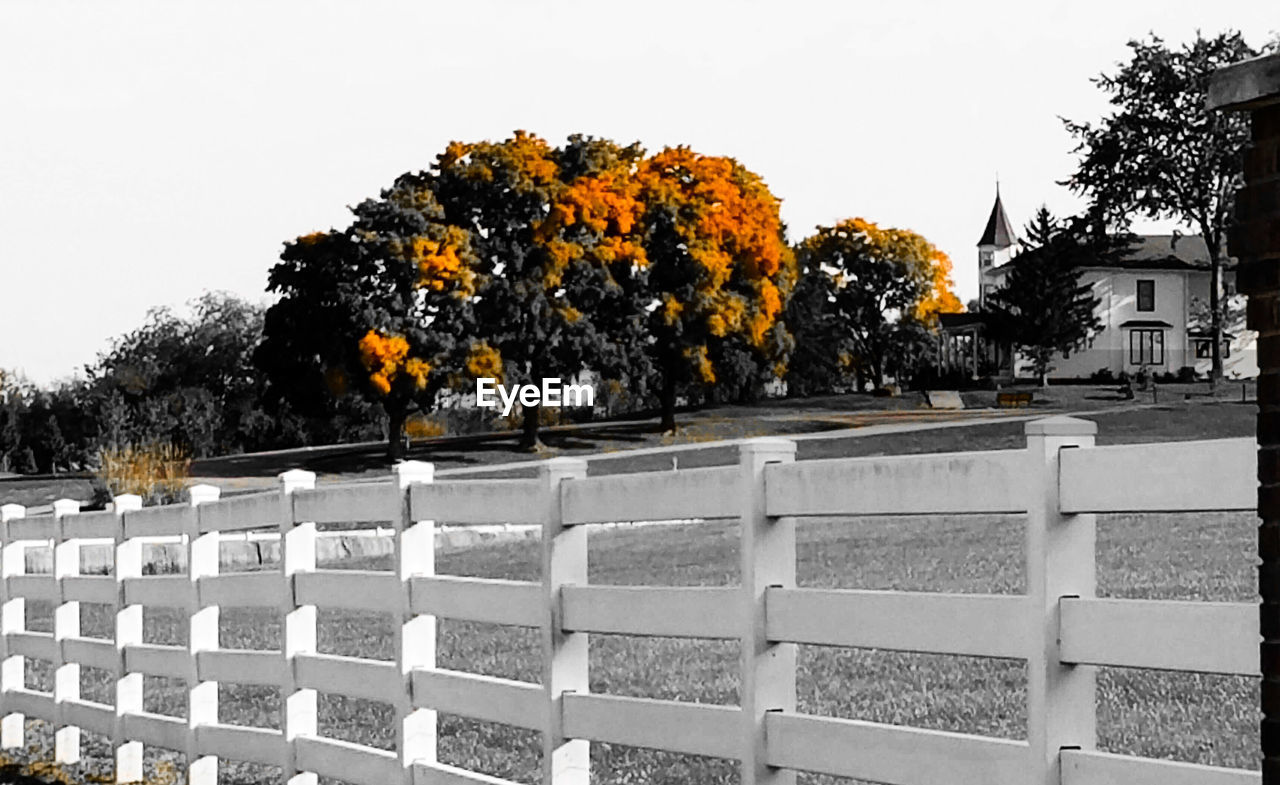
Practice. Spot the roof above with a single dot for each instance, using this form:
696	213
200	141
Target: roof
955	321
1165	252
1146	323
998	232
1156	252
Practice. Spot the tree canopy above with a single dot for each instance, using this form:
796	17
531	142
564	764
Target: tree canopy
378	310
719	266
553	230
533	261
868	294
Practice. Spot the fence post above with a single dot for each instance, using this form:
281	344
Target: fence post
1060	563
768	558
298	626
13	618
202	635
128	564
66	624
415	635
564	655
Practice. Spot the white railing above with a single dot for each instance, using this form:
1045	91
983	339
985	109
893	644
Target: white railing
1060	480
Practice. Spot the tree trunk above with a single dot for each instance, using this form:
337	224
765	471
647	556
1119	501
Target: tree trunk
668	399
531	416
1215	320
1213	243
529	424
396	417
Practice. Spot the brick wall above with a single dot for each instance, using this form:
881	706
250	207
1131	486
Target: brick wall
1255	239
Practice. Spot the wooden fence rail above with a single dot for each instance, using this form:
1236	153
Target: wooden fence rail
1059	481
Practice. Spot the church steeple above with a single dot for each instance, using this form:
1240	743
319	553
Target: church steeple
996	248
998	233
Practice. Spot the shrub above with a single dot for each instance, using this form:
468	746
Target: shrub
156	471
1187	374
1102	376
27	462
422	427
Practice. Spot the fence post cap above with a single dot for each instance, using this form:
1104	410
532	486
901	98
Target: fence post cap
1061	425
1249	84
203	493
296	479
66	507
127	501
11	512
414	471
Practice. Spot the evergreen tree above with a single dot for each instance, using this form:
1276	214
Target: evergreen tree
1043	309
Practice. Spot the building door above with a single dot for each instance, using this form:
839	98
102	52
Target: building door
1146	348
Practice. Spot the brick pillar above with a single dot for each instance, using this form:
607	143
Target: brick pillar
1254	87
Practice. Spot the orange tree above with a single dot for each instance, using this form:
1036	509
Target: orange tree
718	268
869	298
554	231
379	310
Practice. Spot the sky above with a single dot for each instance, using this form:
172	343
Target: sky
153	151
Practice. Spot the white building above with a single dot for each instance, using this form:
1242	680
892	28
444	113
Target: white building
1153	305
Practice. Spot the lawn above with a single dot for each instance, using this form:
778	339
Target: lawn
1177	421
1204	719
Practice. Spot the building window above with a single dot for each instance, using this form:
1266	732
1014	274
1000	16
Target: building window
1146	295
1204	348
1146	347
986	257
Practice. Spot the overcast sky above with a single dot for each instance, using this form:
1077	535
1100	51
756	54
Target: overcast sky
151	151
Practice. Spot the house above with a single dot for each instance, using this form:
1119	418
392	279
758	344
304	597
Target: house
1152	302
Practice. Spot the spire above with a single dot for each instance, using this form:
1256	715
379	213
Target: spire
998	231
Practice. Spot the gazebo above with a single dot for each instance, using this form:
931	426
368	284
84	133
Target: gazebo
964	347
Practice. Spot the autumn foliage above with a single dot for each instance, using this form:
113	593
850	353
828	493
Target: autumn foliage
386	357
720	266
521	260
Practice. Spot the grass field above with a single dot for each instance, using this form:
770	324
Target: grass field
1203	719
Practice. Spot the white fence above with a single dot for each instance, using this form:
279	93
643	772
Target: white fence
1060	480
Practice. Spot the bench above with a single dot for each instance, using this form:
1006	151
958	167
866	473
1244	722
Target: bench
1013	400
